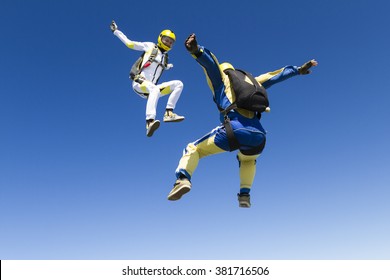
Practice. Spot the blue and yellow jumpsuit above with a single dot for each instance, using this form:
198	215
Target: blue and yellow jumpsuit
246	124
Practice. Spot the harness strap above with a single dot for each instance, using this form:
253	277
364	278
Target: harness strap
228	108
150	59
253	80
136	69
233	142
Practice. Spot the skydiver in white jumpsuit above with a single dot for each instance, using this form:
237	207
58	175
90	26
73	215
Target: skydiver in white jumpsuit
145	82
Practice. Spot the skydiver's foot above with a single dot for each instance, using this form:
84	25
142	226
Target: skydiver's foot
113	26
170	116
181	187
244	200
151	127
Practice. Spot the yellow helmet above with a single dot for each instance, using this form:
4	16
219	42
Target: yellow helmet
226	65
166	39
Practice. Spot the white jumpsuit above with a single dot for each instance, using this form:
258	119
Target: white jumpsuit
149	88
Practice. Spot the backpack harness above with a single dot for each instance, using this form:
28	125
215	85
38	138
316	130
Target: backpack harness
252	97
136	69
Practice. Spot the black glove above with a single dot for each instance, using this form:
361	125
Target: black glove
191	44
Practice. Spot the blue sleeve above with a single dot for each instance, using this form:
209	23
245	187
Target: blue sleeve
211	66
286	73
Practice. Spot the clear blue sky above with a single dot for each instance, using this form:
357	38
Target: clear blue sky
80	180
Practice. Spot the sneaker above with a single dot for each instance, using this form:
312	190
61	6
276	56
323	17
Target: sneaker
152	127
181	187
113	26
172	117
244	200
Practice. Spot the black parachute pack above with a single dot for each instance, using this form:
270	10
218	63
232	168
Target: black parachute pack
249	96
136	69
252	97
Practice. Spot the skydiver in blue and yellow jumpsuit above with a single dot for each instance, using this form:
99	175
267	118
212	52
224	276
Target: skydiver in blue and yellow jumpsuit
246	124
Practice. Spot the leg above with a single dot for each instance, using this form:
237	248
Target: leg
252	141
174	89
152	93
203	147
151	104
247	166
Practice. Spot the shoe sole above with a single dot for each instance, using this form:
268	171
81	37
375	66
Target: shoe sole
244	205
179	192
176	120
153	128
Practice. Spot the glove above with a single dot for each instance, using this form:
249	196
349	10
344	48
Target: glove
304	69
169	66
113	26
191	44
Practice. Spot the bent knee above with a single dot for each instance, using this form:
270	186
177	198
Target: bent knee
179	84
190	148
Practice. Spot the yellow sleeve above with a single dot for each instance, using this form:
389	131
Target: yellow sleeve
267	76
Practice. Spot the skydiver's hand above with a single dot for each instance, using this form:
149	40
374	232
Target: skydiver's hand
191	44
113	26
169	66
304	69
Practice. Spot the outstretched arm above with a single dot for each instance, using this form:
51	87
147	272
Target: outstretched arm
138	46
271	78
207	60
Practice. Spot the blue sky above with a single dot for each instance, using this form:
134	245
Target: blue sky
80	180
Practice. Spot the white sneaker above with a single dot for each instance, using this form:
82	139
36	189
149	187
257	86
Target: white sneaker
172	117
152	127
181	187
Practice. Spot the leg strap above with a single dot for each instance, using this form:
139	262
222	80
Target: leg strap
233	143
